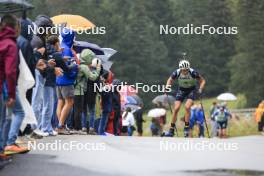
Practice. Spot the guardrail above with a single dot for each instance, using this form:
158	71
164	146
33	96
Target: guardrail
242	111
247	113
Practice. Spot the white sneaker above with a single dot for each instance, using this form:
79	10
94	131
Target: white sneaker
262	133
41	133
53	133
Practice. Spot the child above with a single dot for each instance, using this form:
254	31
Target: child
127	121
155	127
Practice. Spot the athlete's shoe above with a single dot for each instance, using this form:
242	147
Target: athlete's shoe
186	131
169	133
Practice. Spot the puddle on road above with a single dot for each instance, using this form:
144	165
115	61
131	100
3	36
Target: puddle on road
226	172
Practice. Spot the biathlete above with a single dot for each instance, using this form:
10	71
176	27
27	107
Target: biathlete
187	89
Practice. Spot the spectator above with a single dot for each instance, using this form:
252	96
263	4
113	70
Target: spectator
89	104
65	83
23	42
116	106
13	125
213	108
139	120
8	69
155	127
38	44
127	121
259	116
52	47
106	100
85	73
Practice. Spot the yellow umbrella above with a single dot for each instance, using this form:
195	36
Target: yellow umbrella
74	22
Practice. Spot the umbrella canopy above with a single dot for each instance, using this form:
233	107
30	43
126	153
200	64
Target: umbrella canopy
106	63
78	46
227	97
74	22
157	112
103	58
109	52
131	100
138	99
133	107
165	100
124	92
11	6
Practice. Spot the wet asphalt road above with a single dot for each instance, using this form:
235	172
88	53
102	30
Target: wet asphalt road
150	156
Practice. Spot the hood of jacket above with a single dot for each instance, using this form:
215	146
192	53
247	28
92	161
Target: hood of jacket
8	33
68	37
25	31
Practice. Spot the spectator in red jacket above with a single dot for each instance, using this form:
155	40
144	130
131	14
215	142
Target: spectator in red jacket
8	55
9	29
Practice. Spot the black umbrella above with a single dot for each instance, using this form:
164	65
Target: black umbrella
81	45
11	6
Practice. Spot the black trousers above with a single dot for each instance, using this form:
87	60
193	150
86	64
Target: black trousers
78	109
261	124
116	121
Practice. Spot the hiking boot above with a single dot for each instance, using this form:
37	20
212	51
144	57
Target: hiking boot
63	131
15	149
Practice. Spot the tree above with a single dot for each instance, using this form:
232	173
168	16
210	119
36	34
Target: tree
247	65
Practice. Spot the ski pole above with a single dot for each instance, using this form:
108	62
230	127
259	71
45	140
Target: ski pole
172	113
204	117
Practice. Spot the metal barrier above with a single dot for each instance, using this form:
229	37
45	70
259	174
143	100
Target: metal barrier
247	113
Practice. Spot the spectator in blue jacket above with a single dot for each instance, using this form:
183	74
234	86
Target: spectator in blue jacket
65	83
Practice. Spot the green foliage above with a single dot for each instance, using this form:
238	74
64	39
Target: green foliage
247	65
